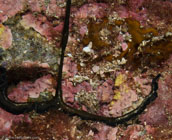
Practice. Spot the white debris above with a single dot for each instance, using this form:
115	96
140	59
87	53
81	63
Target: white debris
121	62
70	55
157	38
79	79
95	68
88	49
94	84
82	64
168	34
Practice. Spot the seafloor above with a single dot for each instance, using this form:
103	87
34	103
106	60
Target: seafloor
115	49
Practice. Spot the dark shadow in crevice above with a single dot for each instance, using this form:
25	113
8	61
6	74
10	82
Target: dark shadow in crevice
17	74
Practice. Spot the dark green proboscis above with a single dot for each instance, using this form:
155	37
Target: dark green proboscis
57	101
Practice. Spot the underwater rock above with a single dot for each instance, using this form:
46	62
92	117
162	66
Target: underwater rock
41	25
9	8
125	37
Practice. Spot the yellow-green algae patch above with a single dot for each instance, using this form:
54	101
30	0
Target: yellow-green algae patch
119	80
2	29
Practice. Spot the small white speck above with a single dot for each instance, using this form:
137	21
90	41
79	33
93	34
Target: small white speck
70	55
88	49
168	34
82	64
95	68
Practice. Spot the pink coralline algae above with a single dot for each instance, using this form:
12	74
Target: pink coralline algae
97	10
50	8
106	133
69	90
21	93
29	64
157	113
105	91
127	97
53	8
5	37
9	8
114	97
69	68
36	5
132	132
136	132
143	84
91	10
165	90
41	25
162	13
134	9
7	119
84	86
83	30
135	4
24	90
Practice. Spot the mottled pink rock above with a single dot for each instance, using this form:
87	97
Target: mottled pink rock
144	84
29	64
7	119
36	5
83	30
124	46
120	38
69	68
139	16
122	12
72	41
69	90
5	37
162	13
53	8
129	12
158	112
86	11
29	89
135	4
9	8
50	8
84	86
150	129
112	135
136	132
164	92
133	132
103	131
106	132
41	25
59	28
127	97
97	10
155	114
105	91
